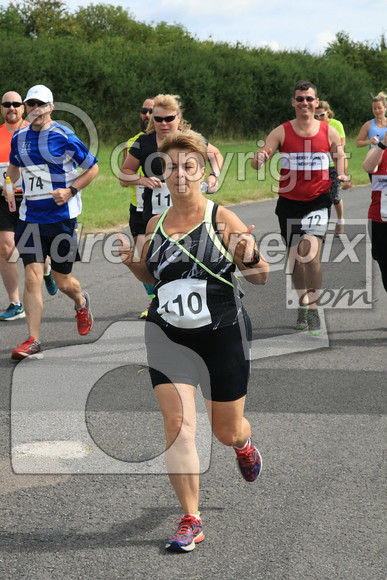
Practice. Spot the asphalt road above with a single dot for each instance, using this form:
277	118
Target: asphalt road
83	491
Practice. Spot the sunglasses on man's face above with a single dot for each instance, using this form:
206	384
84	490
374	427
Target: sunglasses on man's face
33	102
9	104
168	119
300	99
144	111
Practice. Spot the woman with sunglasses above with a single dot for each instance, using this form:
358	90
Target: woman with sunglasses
167	118
374	130
324	113
197	330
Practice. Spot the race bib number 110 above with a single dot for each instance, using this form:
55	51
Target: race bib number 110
183	303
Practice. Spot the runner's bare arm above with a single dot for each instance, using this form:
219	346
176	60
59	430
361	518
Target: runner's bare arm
134	256
241	244
374	157
339	158
129	176
61	195
362	139
273	142
14	173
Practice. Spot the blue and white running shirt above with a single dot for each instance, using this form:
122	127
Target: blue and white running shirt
48	160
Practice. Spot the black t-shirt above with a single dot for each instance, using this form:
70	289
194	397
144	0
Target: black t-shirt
145	150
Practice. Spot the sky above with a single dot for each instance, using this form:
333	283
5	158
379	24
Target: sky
277	24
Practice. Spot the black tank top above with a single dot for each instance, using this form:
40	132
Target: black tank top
196	287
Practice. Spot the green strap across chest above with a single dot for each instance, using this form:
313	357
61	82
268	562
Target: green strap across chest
207	220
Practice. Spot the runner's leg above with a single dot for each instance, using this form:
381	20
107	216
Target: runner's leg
229	425
33	300
9	270
177	404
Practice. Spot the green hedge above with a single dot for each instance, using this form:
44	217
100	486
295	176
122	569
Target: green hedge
104	62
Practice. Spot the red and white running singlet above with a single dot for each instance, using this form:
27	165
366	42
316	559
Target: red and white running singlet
304	164
378	209
5	148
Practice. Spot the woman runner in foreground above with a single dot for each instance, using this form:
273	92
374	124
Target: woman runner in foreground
197	330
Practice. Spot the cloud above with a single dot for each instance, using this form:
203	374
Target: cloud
277	25
204	8
272	44
321	41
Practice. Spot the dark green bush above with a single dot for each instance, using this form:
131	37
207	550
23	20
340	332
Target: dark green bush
103	61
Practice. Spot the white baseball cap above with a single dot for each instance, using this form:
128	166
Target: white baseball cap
41	93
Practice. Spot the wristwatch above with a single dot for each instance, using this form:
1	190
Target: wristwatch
254	261
380	144
73	190
215	174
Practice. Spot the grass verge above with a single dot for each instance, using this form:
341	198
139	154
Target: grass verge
106	203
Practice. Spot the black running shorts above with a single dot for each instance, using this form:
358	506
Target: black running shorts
218	360
9	219
58	240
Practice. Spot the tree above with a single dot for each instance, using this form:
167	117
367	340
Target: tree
100	20
372	57
46	18
11	20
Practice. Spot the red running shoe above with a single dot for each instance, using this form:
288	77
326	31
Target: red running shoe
189	533
249	461
28	349
84	317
